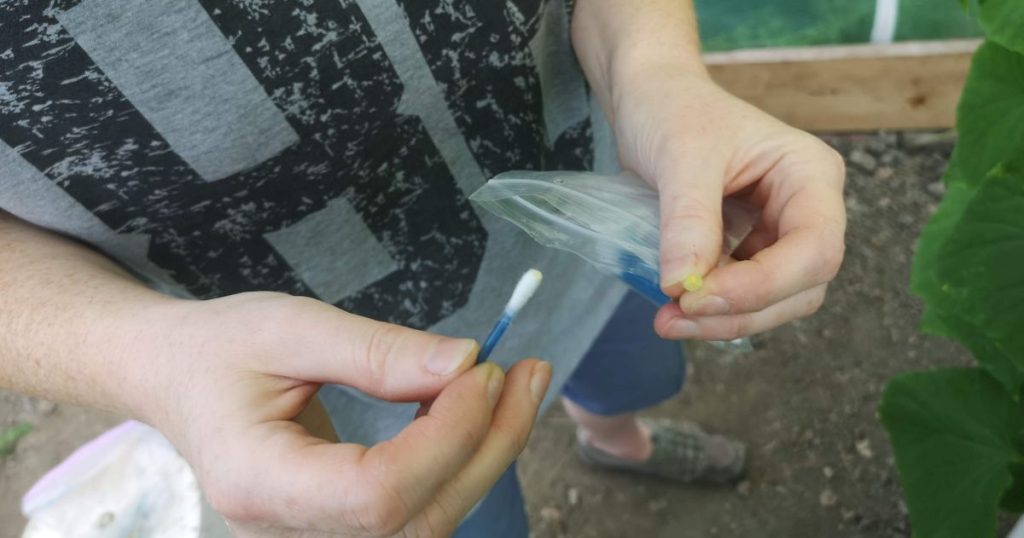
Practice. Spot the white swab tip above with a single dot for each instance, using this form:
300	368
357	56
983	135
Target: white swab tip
524	290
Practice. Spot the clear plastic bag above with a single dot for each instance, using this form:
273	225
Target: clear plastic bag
610	221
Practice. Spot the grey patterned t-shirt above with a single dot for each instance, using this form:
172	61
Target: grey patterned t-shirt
316	147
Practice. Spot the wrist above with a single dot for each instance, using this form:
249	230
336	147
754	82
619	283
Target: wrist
632	77
621	46
646	56
147	352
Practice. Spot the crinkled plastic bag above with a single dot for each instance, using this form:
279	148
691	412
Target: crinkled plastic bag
610	221
127	482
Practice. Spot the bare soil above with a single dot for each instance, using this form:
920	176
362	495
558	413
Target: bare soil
805	400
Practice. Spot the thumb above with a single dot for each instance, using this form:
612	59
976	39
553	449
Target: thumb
691	229
384	360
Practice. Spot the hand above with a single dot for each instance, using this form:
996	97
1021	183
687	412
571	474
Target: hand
697	144
231	373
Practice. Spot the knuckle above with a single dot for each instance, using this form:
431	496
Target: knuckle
445	516
381	341
689	226
380	344
736	327
447	506
759	298
835	161
511	438
832	261
826	159
380	512
425	527
813	303
466	434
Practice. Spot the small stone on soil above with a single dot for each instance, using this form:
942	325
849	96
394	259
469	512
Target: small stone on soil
877	144
550	513
657	505
827	498
573	496
743	488
828	472
863	159
45	407
864	448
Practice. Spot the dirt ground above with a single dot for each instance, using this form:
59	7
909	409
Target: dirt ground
804	400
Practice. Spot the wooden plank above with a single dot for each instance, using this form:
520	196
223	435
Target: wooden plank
912	85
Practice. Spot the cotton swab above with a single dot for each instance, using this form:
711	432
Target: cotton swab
520	295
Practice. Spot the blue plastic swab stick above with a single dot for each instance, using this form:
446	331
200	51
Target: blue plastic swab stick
522	293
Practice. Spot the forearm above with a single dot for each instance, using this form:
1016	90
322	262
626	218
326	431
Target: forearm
70	320
617	41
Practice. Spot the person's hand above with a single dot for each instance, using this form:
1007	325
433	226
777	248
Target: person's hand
230	374
697	144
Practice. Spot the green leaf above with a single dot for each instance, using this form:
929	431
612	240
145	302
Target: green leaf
979	267
1013	499
953	433
10	436
1003	21
944	315
990	116
991	127
923	279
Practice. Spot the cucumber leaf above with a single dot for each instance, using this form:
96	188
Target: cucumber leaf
990	115
944	313
955	437
978	271
1003	21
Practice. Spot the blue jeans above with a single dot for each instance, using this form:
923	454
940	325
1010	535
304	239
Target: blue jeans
627	368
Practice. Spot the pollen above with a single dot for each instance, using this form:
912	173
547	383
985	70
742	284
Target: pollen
693	282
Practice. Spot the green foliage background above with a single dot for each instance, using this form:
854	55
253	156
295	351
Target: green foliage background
958	434
732	24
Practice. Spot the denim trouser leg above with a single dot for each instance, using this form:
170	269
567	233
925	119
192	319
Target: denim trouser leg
628	368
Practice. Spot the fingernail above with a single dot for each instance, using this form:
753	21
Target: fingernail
540	378
710	305
449	354
686	277
494	383
682	328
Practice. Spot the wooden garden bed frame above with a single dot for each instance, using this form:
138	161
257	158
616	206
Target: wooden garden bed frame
909	85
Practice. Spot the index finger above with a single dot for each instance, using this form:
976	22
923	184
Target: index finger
808	253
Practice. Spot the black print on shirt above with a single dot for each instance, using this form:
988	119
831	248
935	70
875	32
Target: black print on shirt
91	141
